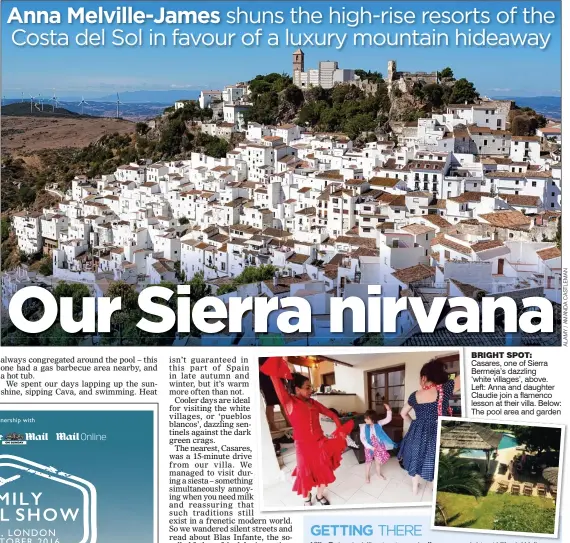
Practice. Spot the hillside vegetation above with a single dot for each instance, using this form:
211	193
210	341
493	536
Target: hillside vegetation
348	108
22	109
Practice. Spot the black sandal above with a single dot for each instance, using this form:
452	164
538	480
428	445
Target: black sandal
323	501
309	500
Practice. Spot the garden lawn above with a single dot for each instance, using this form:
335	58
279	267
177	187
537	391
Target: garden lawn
479	513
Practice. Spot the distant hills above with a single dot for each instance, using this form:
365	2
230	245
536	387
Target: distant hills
142	105
22	109
157	97
92	109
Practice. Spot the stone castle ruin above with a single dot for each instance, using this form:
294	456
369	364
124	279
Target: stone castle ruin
404	81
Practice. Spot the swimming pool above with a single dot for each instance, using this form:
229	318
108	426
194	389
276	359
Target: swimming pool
507	441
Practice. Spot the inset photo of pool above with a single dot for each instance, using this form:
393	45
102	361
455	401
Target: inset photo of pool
498	477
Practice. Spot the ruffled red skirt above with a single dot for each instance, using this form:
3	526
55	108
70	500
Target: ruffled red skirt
316	463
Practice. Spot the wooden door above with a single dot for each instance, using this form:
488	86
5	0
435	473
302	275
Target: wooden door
500	266
387	386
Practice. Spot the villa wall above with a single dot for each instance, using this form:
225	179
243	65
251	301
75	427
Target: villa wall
323	367
75	277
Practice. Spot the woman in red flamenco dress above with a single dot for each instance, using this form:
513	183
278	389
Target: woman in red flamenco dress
317	456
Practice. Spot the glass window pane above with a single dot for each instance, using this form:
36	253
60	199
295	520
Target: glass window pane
396	393
377	395
378	380
396	378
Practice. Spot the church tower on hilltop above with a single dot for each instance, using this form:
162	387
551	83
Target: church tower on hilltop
298	61
391	70
392	74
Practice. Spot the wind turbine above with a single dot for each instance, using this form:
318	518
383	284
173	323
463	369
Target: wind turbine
82	103
31	104
118	104
41	102
54	101
22	97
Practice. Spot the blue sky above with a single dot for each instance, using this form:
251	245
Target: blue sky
98	71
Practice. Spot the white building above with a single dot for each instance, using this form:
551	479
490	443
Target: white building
207	97
525	148
27	227
479	114
234	113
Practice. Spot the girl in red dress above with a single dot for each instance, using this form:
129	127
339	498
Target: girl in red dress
317	456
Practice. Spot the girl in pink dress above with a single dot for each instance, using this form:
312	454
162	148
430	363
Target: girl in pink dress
375	440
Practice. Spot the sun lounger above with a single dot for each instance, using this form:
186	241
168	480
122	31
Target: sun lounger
527	489
503	487
541	489
515	488
553	491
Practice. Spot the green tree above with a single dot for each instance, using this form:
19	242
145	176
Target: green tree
538	438
198	287
128	295
521	126
267	91
458	475
5	228
76	291
264	109
446	73
57	336
371	339
183	220
293	95
123	322
218	148
251	274
180	275
433	94
463	92
46	266
362	122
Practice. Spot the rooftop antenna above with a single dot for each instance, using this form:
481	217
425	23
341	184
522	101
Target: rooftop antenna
82	103
118	104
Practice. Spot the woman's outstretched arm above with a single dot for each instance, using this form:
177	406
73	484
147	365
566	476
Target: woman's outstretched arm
328	413
276	369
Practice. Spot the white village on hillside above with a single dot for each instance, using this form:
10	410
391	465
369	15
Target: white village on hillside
458	207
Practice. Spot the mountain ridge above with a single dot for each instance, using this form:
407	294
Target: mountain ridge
142	96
